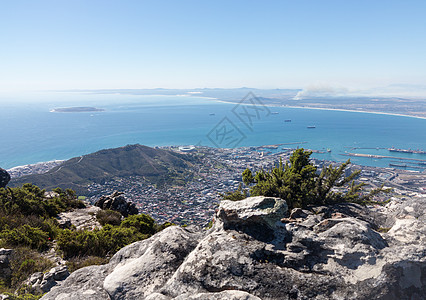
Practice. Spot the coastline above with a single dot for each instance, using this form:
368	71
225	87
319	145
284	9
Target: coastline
36	168
333	109
17	168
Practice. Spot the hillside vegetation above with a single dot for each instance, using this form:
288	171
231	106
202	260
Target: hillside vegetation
157	166
29	226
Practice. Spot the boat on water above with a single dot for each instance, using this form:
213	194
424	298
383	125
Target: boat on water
328	150
398	165
400	150
274	113
288	120
212	114
393	149
312	127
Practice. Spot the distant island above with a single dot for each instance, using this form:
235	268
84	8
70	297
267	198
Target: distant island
77	109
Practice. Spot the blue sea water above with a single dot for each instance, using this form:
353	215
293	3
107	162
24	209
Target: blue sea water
31	133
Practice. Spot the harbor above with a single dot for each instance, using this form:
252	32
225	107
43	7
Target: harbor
381	156
392	149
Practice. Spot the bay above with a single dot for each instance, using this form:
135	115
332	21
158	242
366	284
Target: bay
31	133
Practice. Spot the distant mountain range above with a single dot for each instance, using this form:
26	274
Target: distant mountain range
157	166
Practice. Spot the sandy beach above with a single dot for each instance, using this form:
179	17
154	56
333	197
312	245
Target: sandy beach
333	109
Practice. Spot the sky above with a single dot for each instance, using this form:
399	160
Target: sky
99	44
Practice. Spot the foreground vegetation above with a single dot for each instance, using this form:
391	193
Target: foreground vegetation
28	225
301	185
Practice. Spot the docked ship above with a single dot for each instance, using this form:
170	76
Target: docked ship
398	165
400	150
393	149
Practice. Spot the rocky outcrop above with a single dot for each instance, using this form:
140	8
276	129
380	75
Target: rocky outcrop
5	269
135	271
340	252
4	178
255	216
81	218
42	283
117	202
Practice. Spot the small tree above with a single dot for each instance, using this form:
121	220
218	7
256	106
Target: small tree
299	184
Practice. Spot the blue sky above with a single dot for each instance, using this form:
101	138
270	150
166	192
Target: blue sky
91	44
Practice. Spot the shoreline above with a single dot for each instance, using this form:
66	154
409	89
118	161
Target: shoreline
36	168
36	164
334	109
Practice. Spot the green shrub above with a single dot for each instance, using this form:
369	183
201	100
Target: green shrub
163	226
109	217
69	199
99	242
142	223
300	185
25	235
29	200
23	296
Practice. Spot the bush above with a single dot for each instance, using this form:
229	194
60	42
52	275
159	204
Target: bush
69	199
99	242
26	235
29	200
158	228
142	223
299	184
109	217
108	240
23	296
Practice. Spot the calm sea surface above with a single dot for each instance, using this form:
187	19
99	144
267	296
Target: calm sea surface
31	133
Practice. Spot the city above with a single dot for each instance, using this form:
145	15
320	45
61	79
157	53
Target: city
219	171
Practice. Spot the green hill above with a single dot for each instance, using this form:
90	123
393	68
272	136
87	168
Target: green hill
156	165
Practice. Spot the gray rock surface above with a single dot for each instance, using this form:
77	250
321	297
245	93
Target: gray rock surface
327	253
81	218
5	269
117	202
255	216
42	283
4	178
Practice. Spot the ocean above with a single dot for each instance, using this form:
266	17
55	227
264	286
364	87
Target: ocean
31	133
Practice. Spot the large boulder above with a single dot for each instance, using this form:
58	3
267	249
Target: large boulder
254	251
43	283
5	268
117	202
4	178
256	216
134	272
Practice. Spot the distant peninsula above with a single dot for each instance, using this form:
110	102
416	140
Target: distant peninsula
76	109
